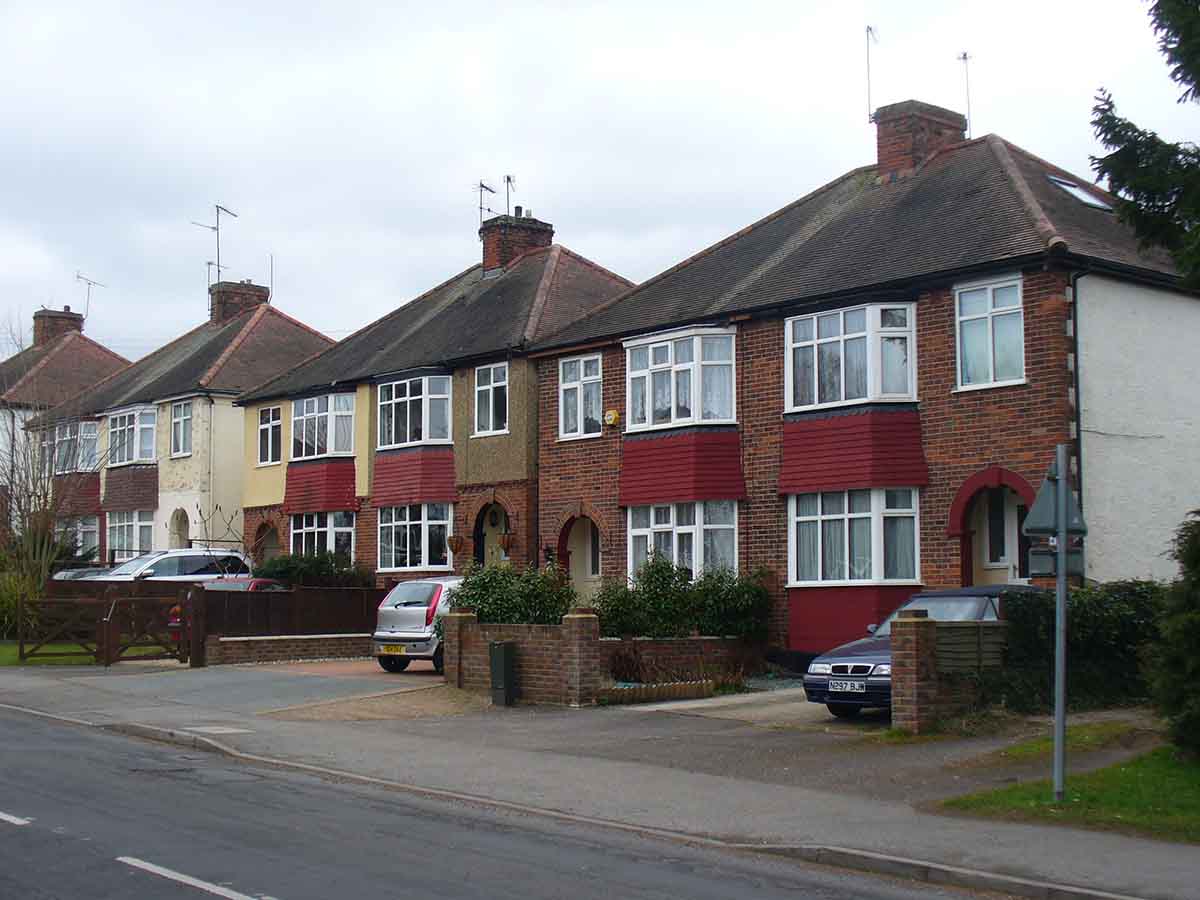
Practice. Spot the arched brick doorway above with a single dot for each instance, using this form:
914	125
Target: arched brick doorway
578	551
266	543
986	516
492	535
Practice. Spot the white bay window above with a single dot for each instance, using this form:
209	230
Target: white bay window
845	356
131	436
323	532
697	536
856	536
682	379
322	426
415	536
414	411
130	534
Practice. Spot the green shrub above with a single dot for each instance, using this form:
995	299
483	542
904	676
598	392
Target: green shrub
1173	662
1107	627
506	595
733	604
316	570
14	586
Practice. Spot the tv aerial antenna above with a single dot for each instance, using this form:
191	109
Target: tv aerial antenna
216	229
965	59
510	187
91	283
210	265
482	187
872	38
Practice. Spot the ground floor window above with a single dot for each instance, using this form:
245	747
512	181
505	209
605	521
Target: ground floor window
82	533
415	536
323	532
130	533
697	536
853	536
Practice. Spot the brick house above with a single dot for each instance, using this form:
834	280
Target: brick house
411	445
861	392
163	433
60	362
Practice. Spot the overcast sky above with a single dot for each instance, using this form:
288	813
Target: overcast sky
347	137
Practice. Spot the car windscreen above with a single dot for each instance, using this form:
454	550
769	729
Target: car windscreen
134	564
411	593
943	609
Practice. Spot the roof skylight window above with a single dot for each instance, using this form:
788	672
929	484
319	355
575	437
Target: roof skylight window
1079	193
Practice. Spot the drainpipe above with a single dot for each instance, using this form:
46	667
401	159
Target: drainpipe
211	431
1075	276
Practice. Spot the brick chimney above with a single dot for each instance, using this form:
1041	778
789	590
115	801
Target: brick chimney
50	324
507	237
228	299
908	133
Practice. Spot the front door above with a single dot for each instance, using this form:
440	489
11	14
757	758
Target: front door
583	544
1001	551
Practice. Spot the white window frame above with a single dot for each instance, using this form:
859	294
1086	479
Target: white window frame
875	334
181	415
425	522
990	285
578	386
668	525
655	342
878	513
140	524
273	426
386	407
326	534
330	415
65	434
89	435
486	390
75	527
136	425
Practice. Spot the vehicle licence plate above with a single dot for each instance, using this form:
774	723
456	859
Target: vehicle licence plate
848	687
392	649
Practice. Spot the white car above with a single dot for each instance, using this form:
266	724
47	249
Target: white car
195	564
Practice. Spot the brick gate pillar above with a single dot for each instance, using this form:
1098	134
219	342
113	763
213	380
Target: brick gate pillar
914	671
453	625
581	656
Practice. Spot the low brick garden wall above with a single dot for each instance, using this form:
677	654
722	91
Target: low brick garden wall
935	667
570	664
220	650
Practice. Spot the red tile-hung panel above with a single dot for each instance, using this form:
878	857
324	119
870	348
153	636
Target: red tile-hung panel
129	488
820	619
697	465
322	485
419	475
872	448
78	494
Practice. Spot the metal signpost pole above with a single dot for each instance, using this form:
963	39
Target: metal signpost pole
1060	621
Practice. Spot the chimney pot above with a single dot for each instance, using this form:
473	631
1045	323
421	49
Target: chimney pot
228	299
909	133
507	237
518	211
50	324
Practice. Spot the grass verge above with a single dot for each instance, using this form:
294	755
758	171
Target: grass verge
1080	739
9	655
1156	794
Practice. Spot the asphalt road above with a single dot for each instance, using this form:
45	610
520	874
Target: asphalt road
87	813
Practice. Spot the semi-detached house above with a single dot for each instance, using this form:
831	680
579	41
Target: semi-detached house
411	446
165	438
861	392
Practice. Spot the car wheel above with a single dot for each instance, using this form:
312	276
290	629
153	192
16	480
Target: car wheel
439	661
392	663
844	710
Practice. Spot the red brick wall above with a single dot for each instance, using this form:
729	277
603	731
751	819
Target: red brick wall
1015	427
130	488
254	517
229	651
685	658
507	237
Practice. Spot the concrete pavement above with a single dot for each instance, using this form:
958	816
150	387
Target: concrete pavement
653	769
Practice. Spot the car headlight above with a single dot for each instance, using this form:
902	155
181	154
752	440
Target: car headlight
819	668
882	669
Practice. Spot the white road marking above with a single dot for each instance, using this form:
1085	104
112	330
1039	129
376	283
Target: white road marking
218	729
13	820
162	872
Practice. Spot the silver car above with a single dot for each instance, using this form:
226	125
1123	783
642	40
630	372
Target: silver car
193	564
405	627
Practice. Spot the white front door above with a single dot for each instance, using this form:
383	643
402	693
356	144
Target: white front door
1001	551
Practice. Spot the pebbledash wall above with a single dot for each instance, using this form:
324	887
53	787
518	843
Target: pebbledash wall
970	439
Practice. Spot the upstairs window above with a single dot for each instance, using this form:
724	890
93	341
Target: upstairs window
991	334
88	446
72	446
414	411
322	426
131	437
270	435
181	428
579	397
491	399
851	356
686	379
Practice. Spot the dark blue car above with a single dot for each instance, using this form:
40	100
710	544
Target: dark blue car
858	675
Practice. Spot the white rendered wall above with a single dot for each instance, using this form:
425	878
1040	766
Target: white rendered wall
1139	369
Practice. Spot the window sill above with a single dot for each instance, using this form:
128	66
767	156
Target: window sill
440	442
181	455
668	426
569	438
132	462
818	407
267	465
416	569
486	434
341	455
971	388
865	583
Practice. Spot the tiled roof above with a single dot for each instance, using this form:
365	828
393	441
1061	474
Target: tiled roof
466	317
977	203
225	357
41	377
